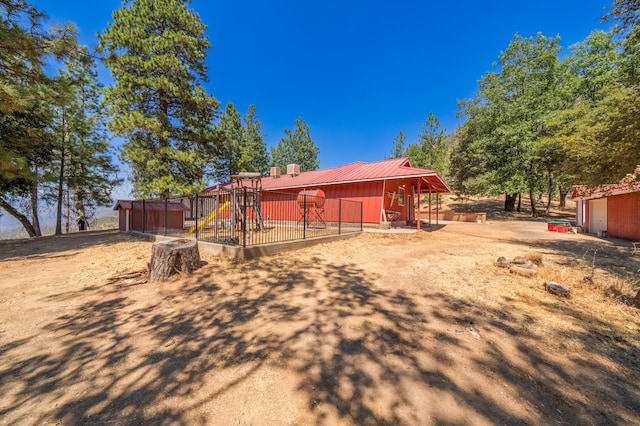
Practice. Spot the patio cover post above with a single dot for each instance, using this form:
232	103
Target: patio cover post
429	205
419	190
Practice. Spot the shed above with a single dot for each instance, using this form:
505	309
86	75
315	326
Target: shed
131	214
612	210
388	189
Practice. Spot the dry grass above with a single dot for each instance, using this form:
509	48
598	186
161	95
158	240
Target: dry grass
379	329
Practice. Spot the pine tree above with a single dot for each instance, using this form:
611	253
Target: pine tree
25	94
431	150
398	146
85	169
230	135
156	51
296	147
254	156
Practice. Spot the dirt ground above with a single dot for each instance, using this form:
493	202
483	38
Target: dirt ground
382	328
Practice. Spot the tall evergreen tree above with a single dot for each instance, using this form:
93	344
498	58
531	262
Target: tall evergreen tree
431	150
156	51
26	46
229	135
254	157
296	147
85	169
397	150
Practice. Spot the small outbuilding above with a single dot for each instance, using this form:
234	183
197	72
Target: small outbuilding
149	216
610	210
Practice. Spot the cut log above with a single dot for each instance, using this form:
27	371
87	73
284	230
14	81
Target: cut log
523	263
525	272
536	258
504	262
173	257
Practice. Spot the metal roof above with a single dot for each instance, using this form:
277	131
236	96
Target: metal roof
359	171
151	205
586	192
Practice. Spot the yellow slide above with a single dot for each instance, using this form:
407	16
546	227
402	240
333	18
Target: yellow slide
210	218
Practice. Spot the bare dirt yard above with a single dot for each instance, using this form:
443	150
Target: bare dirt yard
382	328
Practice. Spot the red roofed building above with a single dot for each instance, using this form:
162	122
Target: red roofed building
613	210
386	188
130	216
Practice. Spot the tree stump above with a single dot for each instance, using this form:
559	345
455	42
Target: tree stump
173	257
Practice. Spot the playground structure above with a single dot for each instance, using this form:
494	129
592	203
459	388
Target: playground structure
247	188
226	215
211	217
311	206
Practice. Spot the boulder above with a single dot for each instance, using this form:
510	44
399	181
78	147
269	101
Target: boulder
557	289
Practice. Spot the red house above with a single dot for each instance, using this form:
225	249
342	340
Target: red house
387	189
612	210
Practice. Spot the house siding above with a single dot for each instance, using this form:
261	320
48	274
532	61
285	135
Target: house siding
623	216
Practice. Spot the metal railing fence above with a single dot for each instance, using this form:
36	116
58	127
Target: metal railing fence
246	217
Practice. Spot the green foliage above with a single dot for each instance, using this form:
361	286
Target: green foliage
26	92
254	157
431	151
156	51
25	47
83	166
398	150
506	118
296	147
239	146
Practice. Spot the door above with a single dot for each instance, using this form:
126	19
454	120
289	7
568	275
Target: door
597	215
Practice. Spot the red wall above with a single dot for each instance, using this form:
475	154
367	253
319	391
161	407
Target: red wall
154	220
623	216
368	193
122	219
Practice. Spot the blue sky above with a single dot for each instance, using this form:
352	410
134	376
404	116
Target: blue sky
357	72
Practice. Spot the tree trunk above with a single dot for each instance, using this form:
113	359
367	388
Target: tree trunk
78	207
549	193
34	210
60	193
19	216
509	202
173	257
563	198
519	202
532	201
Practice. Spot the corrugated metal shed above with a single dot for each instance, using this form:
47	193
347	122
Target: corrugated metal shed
621	204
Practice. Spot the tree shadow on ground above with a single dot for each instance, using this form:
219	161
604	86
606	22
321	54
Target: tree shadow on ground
36	248
360	354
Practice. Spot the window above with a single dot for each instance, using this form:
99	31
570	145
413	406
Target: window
400	196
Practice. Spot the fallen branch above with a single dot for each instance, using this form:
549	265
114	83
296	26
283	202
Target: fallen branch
128	275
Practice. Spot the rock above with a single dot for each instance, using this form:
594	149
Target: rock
525	272
557	289
503	262
523	263
536	258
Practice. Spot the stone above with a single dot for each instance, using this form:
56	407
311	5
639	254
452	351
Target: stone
557	289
